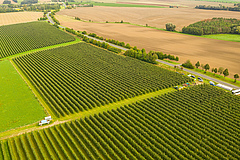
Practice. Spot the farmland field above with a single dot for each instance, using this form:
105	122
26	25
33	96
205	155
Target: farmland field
196	123
155	17
80	77
18	105
216	53
23	37
19	17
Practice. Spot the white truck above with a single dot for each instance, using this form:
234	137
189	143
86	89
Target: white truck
224	87
45	121
236	92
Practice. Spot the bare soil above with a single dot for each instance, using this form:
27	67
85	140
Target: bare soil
19	17
155	17
216	53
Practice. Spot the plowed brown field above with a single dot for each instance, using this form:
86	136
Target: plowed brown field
217	53
19	17
155	17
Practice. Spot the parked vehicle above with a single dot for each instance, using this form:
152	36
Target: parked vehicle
212	83
192	76
224	87
236	92
200	79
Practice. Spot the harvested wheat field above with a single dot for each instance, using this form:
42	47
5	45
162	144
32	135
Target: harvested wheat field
215	52
155	17
19	17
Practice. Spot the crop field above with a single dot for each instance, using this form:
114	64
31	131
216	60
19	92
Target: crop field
216	53
23	37
196	123
19	17
155	17
80	77
18	105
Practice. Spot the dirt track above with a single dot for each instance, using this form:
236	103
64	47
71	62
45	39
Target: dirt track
19	17
215	52
155	17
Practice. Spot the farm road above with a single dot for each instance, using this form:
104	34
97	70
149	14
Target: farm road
201	75
187	70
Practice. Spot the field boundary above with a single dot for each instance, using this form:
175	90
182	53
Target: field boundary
101	109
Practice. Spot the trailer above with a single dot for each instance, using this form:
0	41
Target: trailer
224	87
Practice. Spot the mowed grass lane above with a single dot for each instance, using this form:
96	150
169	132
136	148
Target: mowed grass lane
18	105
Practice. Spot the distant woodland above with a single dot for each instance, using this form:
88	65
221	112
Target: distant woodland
220	7
214	26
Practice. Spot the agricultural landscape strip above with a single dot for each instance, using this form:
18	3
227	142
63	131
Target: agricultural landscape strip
151	129
88	77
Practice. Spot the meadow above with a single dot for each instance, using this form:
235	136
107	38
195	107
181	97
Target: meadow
18	105
225	37
187	124
23	37
81	77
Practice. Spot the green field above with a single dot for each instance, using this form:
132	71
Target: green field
201	122
18	105
80	77
225	37
23	37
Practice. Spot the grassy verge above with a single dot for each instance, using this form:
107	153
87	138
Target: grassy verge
18	105
44	48
225	37
93	111
169	61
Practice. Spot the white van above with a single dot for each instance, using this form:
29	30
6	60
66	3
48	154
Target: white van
236	92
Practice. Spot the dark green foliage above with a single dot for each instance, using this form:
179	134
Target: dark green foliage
29	1
170	27
201	122
197	64
23	37
6	2
80	77
236	76
188	64
192	30
213	26
220	7
95	36
225	73
206	67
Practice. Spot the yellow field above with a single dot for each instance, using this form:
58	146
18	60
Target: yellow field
19	17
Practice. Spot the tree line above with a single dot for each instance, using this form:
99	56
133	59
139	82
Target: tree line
214	26
220	7
206	67
29	7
